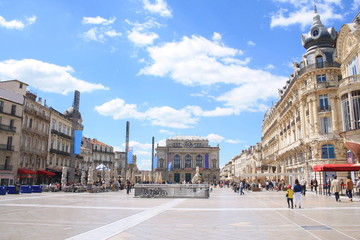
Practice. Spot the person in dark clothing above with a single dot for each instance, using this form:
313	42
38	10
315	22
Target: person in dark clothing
128	187
297	190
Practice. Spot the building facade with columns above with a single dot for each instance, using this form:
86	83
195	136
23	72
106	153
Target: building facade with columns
178	159
303	127
348	54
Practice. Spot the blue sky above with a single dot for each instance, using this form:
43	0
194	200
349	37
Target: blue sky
170	67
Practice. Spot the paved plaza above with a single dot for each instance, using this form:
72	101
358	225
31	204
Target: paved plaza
225	215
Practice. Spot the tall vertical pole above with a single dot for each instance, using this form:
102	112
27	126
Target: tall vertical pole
152	154
75	125
126	147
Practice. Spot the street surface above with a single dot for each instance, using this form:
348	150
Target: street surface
225	215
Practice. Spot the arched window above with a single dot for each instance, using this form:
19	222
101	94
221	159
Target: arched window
199	161
319	62
328	151
177	161
188	161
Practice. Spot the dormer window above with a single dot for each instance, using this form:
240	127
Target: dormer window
319	62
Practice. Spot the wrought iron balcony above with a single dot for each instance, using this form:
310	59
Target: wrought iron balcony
7	128
6	147
314	66
6	167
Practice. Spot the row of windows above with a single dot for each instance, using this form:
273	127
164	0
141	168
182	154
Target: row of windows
13	108
62	127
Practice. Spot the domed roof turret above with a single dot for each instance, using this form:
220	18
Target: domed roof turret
319	35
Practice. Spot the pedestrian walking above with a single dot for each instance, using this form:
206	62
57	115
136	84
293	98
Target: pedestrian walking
297	190
242	185
315	184
290	196
349	187
336	188
303	185
128	187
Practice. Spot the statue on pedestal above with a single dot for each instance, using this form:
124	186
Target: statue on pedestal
196	178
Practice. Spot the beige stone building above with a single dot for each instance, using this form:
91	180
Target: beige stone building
303	128
34	138
60	141
248	165
11	111
178	159
348	54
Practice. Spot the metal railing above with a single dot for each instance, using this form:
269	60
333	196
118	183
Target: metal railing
7	128
6	147
314	66
6	167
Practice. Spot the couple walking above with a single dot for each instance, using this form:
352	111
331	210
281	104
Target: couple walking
296	191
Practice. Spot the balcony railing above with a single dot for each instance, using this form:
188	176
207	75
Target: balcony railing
6	167
6	147
7	128
324	109
314	66
53	131
59	152
349	80
102	151
37	113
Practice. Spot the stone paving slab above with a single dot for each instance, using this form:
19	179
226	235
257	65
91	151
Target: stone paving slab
225	215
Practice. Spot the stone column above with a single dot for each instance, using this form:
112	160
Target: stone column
352	118
315	116
334	114
311	114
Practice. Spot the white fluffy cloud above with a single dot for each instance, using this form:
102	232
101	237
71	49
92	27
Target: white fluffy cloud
98	20
157	7
159	116
16	24
45	76
301	12
196	60
142	39
101	31
140	34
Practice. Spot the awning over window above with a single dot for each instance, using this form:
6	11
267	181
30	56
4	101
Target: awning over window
43	172
335	168
25	171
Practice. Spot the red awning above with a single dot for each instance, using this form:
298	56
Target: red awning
43	172
335	168
25	171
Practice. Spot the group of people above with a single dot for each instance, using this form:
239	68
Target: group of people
295	191
334	186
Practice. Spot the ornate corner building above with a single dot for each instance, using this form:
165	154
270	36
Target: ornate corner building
319	102
178	159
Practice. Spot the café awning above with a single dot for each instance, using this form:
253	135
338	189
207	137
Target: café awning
26	171
335	168
43	172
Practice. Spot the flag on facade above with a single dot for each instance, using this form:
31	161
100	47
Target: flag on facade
206	161
130	156
155	161
169	162
77	141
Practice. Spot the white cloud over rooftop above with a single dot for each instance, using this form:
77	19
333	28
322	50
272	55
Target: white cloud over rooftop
45	76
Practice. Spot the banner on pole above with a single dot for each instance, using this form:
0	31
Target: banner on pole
130	156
